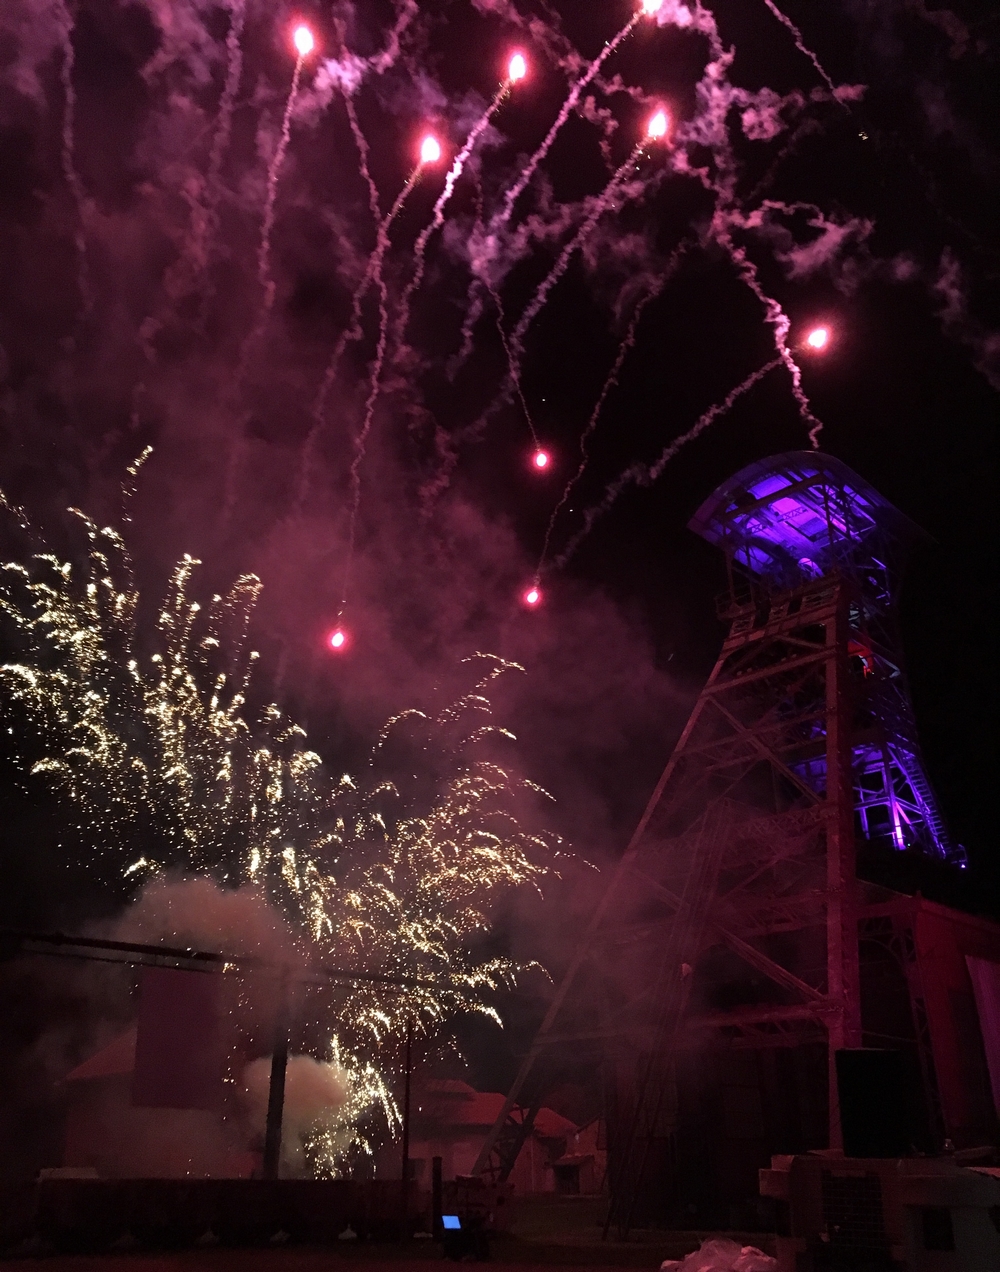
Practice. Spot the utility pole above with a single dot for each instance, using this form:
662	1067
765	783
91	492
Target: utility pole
276	1089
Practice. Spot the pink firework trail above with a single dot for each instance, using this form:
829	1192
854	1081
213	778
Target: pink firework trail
643	475
303	41
437	217
780	323
597	210
353	332
70	174
514	366
274	171
474	303
568	106
429	152
224	127
514	348
361	141
624	349
801	46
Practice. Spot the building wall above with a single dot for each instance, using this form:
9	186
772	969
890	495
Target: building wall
105	1131
944	938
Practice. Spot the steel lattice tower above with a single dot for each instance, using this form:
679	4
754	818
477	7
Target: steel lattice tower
801	745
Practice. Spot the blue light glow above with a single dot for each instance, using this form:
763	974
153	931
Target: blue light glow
786	522
796	517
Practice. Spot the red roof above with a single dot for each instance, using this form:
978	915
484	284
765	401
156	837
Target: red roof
552	1125
456	1103
115	1060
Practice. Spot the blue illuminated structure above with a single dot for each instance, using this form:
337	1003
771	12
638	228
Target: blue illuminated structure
785	524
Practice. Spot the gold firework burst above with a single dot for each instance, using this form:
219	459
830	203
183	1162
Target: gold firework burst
158	747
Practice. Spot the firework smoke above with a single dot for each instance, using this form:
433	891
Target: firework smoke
614	189
610	383
158	749
437	217
205	242
70	174
801	46
645	475
568	106
354	332
264	275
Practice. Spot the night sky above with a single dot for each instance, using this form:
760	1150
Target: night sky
133	312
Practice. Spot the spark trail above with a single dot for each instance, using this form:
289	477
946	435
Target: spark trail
514	193
355	330
645	475
156	745
516	72
514	345
587	227
610	383
361	141
474	301
429	154
803	49
223	129
779	322
303	45
70	174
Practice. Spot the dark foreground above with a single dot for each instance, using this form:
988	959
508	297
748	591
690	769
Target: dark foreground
506	1254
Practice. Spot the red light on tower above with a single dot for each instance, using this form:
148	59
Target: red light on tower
303	40
430	149
517	68
337	640
533	596
541	460
818	338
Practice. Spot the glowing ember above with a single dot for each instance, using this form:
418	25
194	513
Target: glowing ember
541	459
303	40
651	6
532	596
430	149
517	68
818	338
657	126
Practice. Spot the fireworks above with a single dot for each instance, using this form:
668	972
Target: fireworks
541	460
657	126
533	596
430	149
818	338
337	639
706	138
303	40
160	749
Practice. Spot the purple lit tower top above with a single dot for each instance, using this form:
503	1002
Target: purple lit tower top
789	521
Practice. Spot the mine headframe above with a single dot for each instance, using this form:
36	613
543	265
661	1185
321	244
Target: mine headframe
802	743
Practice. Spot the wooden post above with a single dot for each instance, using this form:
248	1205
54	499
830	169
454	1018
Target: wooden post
276	1089
437	1199
405	1189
